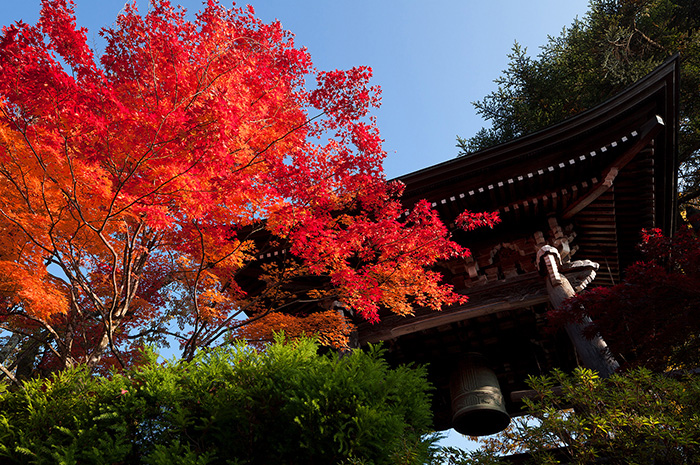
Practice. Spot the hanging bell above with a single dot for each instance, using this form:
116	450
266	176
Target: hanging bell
478	407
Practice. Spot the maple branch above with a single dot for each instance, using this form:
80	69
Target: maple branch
226	285
107	319
156	331
26	232
188	350
223	326
108	316
74	197
153	68
55	250
23	193
257	317
262	296
156	189
11	376
221	51
37	339
22	130
284	136
128	288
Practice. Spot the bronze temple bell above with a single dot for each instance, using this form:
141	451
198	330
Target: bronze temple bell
478	407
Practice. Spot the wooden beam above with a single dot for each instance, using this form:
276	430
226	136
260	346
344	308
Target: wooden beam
647	133
440	319
519	396
523	291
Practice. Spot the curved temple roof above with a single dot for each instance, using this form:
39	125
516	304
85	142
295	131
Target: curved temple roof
513	172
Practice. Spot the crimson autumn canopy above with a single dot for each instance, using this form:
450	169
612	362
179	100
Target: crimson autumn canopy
133	189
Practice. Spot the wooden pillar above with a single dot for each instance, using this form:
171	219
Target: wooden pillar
593	353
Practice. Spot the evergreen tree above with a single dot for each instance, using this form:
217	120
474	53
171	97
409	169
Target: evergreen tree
615	44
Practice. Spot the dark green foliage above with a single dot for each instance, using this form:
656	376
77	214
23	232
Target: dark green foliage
633	418
614	45
283	405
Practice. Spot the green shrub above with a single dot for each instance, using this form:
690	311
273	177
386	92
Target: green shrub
237	405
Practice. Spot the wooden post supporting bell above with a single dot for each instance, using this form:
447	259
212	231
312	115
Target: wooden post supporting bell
478	407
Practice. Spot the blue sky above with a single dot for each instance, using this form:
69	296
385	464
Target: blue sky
430	58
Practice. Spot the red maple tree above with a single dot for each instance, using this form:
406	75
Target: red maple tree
190	186
652	317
